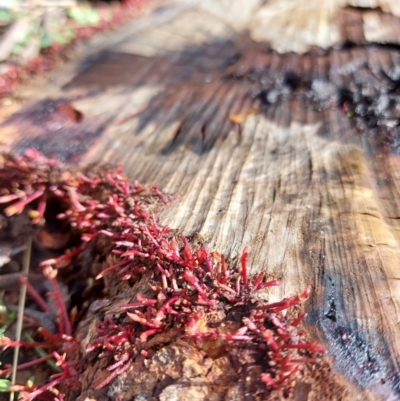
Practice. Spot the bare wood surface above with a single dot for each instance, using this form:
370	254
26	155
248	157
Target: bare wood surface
175	97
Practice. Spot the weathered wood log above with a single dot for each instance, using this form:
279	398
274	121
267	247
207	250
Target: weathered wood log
283	138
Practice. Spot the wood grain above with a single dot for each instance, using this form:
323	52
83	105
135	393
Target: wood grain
316	198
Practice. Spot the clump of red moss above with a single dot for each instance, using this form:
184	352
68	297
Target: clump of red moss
185	285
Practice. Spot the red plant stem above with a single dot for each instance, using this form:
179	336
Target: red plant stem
41	208
192	279
174	246
268	380
113	375
209	263
223	265
123	262
235	337
187	253
118	339
298	320
94	346
133	253
204	302
63	310
19	206
26	344
154	226
73	198
277	322
145	353
11	197
124	243
238	279
103	216
174	284
271	283
118	364
152	239
28	364
258	281
146	301
243	261
107	233
163	271
279	307
250	325
34	294
225	287
296	369
223	275
269	336
141	320
286	303
148	333
160	312
132	306
66	258
241	331
31	321
164	281
41	390
163	198
52	338
204	257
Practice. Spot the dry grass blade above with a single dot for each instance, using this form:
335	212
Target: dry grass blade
21	306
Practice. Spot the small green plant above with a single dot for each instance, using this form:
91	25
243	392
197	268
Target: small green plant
84	15
4	385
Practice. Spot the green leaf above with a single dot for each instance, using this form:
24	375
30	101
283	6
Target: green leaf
59	38
10	317
31	381
45	41
4	385
69	33
6	15
17	49
84	15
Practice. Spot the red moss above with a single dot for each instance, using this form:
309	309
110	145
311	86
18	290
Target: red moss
187	285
